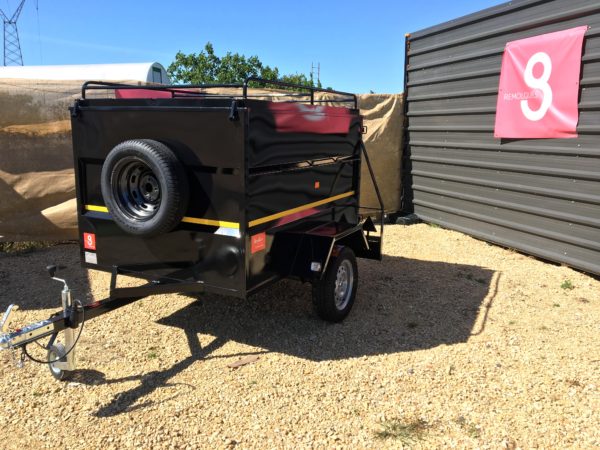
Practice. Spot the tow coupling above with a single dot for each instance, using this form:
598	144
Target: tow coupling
59	357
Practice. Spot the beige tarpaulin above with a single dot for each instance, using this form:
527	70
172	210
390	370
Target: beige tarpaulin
384	119
37	186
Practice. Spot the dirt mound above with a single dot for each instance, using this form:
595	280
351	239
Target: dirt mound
39	129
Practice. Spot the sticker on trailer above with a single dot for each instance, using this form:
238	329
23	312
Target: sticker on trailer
258	242
89	241
90	258
228	231
539	86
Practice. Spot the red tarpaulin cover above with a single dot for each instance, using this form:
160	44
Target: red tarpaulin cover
301	118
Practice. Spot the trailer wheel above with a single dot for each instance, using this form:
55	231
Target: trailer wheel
334	294
57	352
144	187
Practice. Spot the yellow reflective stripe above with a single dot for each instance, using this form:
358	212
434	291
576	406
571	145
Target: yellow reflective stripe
214	223
96	208
298	209
253	223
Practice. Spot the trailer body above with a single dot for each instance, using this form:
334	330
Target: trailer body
267	181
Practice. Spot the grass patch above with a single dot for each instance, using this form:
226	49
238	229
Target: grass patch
433	225
405	432
152	353
471	429
556	305
24	246
567	285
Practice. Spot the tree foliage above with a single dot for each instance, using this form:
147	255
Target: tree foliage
207	68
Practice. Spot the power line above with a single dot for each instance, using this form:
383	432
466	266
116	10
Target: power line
37	11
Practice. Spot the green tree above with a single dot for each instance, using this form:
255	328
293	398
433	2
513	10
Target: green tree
206	68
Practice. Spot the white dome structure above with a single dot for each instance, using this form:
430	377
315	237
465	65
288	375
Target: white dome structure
151	72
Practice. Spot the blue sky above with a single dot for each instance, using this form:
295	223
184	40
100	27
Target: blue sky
359	44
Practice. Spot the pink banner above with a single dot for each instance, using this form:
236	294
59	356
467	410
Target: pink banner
539	86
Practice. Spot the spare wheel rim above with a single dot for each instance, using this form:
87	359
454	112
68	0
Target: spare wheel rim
136	189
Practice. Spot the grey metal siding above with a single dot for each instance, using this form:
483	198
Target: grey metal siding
541	196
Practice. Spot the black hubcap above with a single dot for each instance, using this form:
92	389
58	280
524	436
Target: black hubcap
136	189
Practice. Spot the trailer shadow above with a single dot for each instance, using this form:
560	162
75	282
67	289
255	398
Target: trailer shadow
402	305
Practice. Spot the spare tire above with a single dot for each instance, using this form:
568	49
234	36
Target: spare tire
144	187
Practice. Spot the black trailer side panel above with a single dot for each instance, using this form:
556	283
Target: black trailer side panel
303	166
541	196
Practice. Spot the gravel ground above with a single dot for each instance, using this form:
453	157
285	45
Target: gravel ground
452	342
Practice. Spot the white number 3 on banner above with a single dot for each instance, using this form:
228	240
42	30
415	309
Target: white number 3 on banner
540	84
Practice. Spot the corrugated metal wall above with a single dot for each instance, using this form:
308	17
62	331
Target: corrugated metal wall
541	196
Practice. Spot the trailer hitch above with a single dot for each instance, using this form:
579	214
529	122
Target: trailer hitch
6	318
19	362
60	357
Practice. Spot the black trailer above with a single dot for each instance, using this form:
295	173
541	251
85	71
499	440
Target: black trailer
213	189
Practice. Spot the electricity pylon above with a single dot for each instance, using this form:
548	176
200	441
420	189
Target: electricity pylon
12	45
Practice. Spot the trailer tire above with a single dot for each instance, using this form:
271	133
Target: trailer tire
144	187
334	293
57	353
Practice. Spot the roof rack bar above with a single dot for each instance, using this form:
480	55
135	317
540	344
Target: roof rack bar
299	87
103	85
301	90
